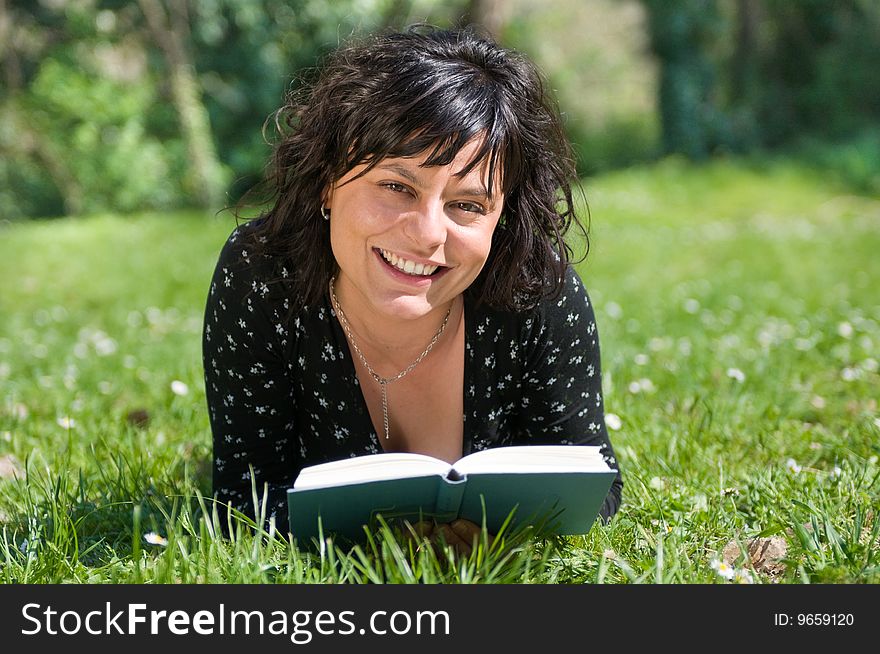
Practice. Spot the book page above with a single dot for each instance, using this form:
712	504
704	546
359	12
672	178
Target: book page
373	467
534	458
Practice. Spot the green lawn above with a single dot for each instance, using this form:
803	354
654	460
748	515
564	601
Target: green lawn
740	323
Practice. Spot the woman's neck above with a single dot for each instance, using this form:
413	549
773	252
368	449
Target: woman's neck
390	343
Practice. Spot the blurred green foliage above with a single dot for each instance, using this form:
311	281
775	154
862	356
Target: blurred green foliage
741	74
85	119
88	120
85	114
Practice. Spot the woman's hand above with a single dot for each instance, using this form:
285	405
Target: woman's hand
461	534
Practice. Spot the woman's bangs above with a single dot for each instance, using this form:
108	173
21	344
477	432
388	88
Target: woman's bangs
443	139
439	117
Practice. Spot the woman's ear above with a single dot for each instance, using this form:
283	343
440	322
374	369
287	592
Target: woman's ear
327	197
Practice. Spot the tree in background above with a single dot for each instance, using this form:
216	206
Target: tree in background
683	35
129	105
740	74
169	27
80	130
819	62
595	55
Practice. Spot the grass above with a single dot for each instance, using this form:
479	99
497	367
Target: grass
740	326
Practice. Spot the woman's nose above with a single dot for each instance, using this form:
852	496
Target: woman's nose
426	227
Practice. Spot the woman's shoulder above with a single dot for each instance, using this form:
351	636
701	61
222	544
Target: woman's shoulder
572	295
570	310
553	317
247	249
243	243
249	270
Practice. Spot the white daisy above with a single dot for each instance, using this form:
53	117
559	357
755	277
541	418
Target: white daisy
743	577
737	374
66	422
179	388
613	421
155	539
722	568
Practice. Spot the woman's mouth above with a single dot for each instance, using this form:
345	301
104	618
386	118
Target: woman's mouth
408	267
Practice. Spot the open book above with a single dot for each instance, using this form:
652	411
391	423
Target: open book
561	487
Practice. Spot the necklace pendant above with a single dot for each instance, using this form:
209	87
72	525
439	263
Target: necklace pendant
384	385
382	381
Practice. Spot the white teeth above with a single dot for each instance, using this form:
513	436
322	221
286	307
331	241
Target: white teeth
406	266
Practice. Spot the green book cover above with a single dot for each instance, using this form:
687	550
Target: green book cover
561	487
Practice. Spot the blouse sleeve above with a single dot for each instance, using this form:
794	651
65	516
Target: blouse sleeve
248	390
562	379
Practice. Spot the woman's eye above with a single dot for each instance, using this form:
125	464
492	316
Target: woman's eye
470	207
394	186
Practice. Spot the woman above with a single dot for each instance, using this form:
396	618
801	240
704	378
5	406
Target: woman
409	289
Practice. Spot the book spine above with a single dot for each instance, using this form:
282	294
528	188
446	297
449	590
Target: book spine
449	499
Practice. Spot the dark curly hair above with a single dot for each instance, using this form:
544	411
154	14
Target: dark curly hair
428	90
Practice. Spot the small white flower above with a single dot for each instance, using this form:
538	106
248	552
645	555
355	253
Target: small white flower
641	359
837	471
792	466
737	374
722	568
613	310
845	330
66	422
656	343
870	364
155	539
742	577
613	421
818	402
179	388
849	374
105	346
877	423
691	305
643	385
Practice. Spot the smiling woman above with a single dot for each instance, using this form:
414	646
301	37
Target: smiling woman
410	288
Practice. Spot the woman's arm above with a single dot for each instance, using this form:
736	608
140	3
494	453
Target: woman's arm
248	390
562	379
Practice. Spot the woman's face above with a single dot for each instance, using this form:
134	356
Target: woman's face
409	239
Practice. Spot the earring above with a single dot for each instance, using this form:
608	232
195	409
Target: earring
324	213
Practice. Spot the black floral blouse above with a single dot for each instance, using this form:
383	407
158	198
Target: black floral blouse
282	391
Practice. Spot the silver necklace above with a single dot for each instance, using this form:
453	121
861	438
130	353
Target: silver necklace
383	381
